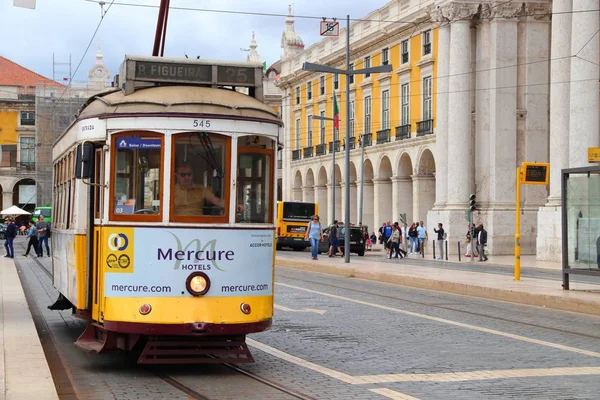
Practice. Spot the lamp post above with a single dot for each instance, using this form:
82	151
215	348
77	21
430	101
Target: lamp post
361	141
348	72
319	118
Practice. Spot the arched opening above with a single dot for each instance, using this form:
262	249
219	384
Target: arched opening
321	194
25	194
424	185
297	188
353	195
384	191
309	188
405	187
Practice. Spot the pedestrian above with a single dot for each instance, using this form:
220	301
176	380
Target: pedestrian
43	229
482	240
334	240
314	233
412	237
11	233
394	241
422	236
33	240
440	237
387	233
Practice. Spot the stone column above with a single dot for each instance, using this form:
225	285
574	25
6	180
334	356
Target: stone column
353	203
340	214
395	196
7	199
404	196
423	195
378	213
321	199
368	216
482	107
585	98
441	124
460	152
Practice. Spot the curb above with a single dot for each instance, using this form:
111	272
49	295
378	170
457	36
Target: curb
541	300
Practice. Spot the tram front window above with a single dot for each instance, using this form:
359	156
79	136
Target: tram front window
254	180
200	184
137	178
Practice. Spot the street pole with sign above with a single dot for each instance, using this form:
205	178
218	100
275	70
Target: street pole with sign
319	118
348	73
527	174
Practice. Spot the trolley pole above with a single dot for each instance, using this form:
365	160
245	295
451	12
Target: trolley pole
348	73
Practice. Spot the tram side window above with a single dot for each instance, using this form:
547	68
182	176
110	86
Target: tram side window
200	185
137	175
254	202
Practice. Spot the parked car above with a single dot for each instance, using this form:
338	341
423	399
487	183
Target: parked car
357	244
2	231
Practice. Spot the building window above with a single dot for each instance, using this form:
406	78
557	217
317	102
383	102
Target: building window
405	104
297	133
27	150
309	91
322	86
367	64
427	98
426	43
385	109
309	136
367	115
351	77
28	118
351	119
336	81
385	56
322	127
297	94
404	51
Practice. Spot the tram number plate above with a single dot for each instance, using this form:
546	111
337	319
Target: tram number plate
201	123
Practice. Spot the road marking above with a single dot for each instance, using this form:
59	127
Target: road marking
312	310
480	375
450	322
392	394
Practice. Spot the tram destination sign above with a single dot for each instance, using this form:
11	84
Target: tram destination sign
173	72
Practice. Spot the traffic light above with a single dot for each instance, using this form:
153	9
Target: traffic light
472	202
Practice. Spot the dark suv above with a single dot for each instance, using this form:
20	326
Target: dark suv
357	244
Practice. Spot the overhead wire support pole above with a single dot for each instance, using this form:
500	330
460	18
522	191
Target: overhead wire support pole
159	27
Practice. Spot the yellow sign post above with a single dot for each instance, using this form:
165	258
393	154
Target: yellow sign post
527	174
593	155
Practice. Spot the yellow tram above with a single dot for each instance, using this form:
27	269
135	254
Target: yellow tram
163	232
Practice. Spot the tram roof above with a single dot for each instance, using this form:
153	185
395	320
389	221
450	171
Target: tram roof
178	101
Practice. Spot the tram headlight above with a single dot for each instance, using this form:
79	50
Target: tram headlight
197	284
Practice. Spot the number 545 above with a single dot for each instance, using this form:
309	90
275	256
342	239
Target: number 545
201	123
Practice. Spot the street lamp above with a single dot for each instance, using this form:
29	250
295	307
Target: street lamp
319	118
324	68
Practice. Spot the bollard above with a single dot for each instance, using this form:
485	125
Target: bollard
459	251
446	250
434	249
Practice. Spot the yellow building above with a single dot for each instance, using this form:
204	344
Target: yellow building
392	114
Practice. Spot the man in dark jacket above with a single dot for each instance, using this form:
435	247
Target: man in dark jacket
11	232
440	239
481	242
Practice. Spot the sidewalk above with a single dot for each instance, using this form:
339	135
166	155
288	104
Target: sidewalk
24	371
540	283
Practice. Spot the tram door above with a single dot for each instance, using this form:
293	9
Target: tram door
97	193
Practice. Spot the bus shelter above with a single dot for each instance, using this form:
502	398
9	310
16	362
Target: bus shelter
580	222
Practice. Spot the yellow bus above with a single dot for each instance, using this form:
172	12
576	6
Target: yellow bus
292	219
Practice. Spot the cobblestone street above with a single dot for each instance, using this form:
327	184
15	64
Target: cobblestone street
340	338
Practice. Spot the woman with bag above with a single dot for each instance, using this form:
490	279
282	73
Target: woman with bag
314	233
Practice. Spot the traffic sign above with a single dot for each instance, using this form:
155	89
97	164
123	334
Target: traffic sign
330	28
593	154
535	173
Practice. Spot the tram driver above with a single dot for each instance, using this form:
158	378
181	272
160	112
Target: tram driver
190	197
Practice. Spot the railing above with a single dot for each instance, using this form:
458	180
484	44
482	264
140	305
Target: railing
295	155
337	146
425	127
26	166
367	139
27	121
427	49
279	164
404	58
320	150
383	136
352	142
403	132
308	152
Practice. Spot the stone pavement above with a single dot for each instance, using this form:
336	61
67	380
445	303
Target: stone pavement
24	371
539	285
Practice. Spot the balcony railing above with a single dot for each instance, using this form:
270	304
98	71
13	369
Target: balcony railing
367	139
427	49
403	132
295	155
425	127
337	146
26	166
308	152
404	58
352	142
320	150
383	136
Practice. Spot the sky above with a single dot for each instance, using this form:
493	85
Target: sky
64	28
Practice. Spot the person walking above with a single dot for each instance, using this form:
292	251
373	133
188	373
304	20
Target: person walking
33	240
482	241
412	237
334	240
394	241
11	233
422	236
314	233
440	237
43	229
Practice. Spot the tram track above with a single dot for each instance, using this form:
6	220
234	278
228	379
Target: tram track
447	308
